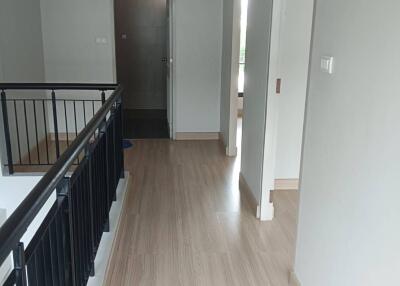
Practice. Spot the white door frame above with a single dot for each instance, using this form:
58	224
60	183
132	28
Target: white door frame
272	116
231	148
171	69
271	120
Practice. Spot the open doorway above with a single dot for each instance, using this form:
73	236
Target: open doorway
273	49
142	47
241	77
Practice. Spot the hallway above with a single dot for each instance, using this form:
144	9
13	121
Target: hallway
185	222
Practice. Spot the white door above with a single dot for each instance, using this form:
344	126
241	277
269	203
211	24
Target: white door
255	101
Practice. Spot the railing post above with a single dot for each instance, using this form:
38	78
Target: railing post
103	97
104	131
68	230
90	165
7	133
54	104
19	265
121	126
113	119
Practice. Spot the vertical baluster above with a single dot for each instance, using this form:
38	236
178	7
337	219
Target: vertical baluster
95	197
67	231
121	126
84	111
45	132
80	211
76	124
7	132
32	271
114	139
59	250
19	265
36	131
40	267
97	185
103	100
104	131
54	105
66	121
27	134
88	233
94	135
83	220
53	251
89	157
103	167
41	252
17	131
103	97
46	250
87	215
77	231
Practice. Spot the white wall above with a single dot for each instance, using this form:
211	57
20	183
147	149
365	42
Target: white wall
21	186
229	74
349	212
21	60
20	27
198	48
255	93
226	68
294	50
70	30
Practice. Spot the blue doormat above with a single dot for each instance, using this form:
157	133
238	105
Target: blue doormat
126	144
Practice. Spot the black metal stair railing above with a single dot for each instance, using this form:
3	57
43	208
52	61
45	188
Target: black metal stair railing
63	249
38	127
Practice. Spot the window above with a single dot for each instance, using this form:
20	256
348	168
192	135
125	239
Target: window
242	59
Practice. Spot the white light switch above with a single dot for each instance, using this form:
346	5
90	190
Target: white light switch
327	64
101	41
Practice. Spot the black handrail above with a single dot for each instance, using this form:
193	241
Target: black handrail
16	225
58	86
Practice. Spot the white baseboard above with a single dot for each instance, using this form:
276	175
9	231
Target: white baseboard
107	242
286	184
231	152
293	280
197	136
267	214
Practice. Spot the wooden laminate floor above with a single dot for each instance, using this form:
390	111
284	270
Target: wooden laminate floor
42	154
185	222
